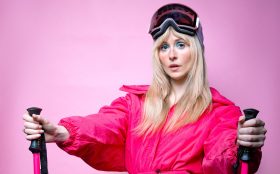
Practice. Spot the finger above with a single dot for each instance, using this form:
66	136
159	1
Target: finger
256	122
28	118
241	119
32	131
252	130
33	137
29	125
251	138
40	119
250	144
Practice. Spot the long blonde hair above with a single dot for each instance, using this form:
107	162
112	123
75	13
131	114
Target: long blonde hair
196	99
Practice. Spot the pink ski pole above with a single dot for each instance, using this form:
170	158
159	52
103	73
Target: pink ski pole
246	156
244	153
38	148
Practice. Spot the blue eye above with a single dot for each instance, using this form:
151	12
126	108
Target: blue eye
180	44
164	47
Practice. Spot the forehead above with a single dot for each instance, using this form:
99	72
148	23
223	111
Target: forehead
171	37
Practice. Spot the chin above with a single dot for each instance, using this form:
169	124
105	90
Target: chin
177	78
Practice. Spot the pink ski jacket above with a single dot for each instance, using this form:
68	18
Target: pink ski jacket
106	141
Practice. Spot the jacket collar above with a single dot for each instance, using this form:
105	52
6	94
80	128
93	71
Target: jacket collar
142	89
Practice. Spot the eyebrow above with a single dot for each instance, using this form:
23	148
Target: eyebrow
176	40
180	39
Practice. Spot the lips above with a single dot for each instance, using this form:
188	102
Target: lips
174	67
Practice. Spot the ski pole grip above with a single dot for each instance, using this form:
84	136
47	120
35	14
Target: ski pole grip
249	114
35	146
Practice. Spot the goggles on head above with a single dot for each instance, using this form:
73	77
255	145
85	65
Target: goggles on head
182	18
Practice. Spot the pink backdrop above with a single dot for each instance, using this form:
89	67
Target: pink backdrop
70	58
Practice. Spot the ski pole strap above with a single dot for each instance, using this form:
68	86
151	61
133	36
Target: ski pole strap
39	145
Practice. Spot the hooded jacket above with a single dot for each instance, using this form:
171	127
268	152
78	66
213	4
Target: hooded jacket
106	140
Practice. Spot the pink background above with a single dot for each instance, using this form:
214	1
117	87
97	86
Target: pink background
70	58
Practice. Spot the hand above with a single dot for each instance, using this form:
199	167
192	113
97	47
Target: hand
251	133
36	125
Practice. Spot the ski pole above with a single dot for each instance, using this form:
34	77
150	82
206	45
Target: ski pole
38	148
246	156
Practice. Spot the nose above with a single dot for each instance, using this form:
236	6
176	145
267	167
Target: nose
172	54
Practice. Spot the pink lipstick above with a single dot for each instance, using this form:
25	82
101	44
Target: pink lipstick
174	67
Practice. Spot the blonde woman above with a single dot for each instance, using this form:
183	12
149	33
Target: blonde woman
176	125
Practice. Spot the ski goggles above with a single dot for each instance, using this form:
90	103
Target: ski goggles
182	18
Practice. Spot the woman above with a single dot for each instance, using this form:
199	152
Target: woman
178	124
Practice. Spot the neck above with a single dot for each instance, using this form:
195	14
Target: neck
178	90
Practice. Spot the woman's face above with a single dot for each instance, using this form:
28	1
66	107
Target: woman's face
175	57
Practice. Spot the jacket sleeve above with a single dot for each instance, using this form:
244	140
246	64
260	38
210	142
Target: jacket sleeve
99	139
220	147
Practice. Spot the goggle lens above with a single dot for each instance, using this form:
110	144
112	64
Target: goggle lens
179	16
